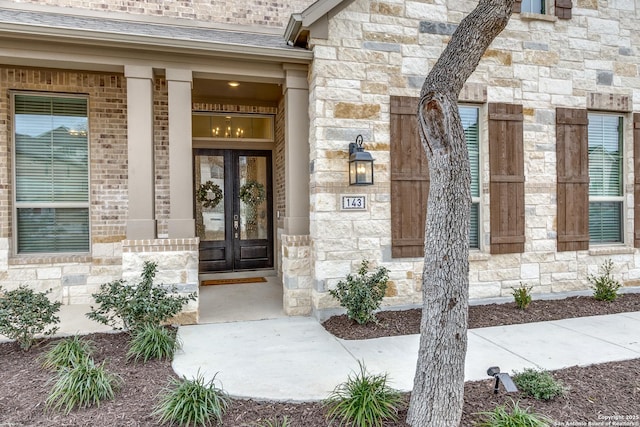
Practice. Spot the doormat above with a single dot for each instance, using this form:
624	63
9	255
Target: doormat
233	281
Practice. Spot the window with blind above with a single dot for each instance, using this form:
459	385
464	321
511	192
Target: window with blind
605	178
561	8
469	118
51	174
533	6
410	177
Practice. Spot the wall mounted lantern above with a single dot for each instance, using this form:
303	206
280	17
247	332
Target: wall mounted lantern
360	164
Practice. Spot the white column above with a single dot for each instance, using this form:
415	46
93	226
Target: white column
296	99
141	223
181	221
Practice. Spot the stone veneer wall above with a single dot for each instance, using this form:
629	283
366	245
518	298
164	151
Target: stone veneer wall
296	274
177	261
383	48
273	14
72	278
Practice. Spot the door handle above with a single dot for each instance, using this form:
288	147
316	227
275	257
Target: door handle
236	225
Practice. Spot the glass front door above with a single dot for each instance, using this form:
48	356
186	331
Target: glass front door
233	208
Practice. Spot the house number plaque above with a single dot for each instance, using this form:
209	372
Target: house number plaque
354	203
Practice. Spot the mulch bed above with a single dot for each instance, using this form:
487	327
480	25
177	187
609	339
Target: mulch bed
596	392
407	322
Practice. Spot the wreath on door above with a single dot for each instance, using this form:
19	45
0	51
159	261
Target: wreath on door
203	194
252	193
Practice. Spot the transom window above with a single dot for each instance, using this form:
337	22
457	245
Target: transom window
51	174
605	178
469	118
235	127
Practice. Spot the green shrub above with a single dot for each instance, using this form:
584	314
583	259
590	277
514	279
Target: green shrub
192	402
67	353
605	287
538	384
82	385
517	417
522	296
25	313
125	306
364	400
152	342
361	295
277	422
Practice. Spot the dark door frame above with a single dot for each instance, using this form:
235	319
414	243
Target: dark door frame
230	250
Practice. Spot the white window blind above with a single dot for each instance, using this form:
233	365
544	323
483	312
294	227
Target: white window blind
51	174
605	178
469	118
533	6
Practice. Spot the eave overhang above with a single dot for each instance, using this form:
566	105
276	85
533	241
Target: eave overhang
315	17
150	37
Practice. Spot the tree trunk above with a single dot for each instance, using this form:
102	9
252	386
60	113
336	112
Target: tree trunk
439	382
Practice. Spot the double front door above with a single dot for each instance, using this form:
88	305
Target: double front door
233	207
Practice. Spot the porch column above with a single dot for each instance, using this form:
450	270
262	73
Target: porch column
296	157
141	223
181	220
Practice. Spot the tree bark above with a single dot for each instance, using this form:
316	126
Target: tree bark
439	382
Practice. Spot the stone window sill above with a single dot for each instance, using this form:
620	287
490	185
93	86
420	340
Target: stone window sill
611	250
48	259
476	255
527	16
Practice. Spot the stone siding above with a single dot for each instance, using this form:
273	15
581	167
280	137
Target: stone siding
378	49
177	262
296	274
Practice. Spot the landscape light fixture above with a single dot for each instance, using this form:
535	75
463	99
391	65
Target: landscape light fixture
360	164
502	377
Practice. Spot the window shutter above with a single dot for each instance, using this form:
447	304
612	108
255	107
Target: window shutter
572	155
636	179
517	6
409	180
506	183
563	9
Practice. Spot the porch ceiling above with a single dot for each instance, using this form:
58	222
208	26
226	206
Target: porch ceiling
249	91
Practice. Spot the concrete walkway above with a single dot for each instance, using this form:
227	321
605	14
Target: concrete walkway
295	359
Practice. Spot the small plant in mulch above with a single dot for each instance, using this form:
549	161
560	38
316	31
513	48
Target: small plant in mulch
362	294
25	313
522	296
192	402
123	305
515	416
82	385
67	353
363	400
605	287
153	342
539	384
276	422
